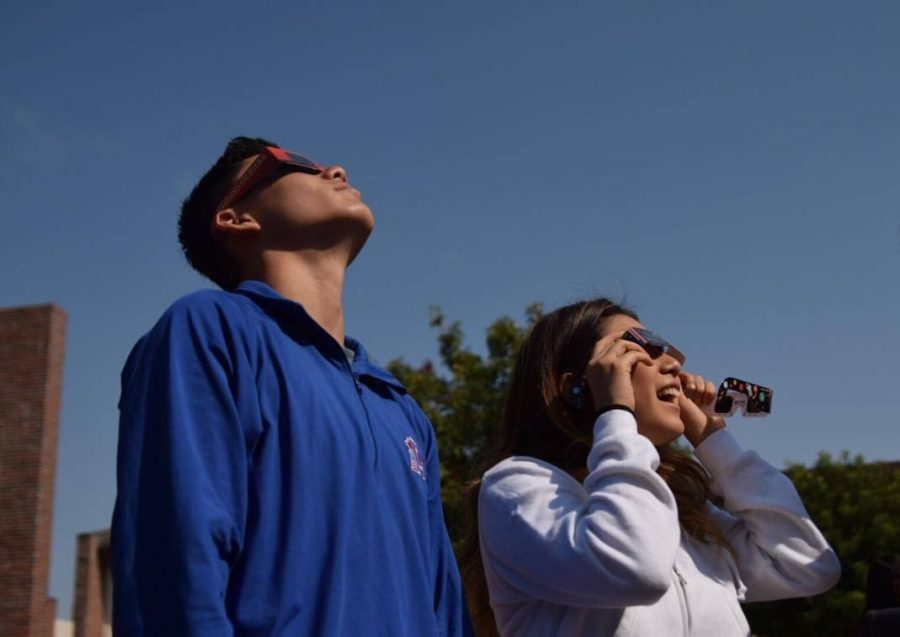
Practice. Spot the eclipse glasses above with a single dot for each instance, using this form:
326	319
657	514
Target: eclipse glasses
753	400
734	394
267	161
654	344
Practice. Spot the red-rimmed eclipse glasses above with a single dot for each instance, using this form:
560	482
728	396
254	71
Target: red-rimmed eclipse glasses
269	159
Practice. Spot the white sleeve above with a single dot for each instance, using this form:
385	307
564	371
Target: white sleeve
608	543
780	551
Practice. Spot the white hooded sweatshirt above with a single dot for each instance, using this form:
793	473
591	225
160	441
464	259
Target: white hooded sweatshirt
607	557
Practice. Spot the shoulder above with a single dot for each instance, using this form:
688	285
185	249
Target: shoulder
207	304
205	334
392	390
202	321
417	420
513	466
207	314
518	477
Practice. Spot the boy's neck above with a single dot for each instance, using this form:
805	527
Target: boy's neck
315	282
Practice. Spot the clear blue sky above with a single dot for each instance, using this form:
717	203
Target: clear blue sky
731	167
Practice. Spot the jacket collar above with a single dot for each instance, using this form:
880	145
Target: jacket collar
294	313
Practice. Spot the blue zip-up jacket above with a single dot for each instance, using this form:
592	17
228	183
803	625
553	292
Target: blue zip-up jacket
267	486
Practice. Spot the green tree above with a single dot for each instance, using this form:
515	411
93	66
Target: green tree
855	504
857	507
464	403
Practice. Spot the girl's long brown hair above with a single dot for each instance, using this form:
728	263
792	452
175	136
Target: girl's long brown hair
538	422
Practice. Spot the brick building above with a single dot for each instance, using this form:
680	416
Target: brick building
32	343
92	612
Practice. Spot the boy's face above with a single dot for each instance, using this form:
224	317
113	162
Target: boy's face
297	209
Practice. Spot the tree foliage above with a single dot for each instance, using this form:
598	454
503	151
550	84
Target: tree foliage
857	507
466	401
855	504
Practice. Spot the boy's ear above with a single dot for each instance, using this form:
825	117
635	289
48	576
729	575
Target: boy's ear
229	222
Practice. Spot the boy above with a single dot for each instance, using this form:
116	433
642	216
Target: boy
272	480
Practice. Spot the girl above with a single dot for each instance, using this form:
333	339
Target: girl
590	523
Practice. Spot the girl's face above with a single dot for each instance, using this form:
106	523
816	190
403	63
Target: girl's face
656	390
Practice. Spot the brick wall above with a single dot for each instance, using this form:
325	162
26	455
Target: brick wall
93	586
32	342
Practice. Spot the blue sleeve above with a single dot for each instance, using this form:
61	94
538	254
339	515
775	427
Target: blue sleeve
449	601
182	476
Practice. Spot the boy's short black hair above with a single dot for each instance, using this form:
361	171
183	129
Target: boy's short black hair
202	250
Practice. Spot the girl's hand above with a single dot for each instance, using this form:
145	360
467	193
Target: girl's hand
697	393
608	373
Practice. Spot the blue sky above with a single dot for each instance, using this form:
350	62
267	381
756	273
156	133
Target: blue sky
731	168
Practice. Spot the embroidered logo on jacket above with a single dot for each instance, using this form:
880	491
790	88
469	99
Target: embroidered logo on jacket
416	462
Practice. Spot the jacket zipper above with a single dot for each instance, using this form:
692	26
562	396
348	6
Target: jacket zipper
685	610
362	402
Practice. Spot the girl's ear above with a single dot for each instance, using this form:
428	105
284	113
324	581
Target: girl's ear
574	390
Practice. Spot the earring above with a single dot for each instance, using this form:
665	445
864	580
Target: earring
578	395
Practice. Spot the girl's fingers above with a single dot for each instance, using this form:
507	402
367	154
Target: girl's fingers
609	348
709	394
697	388
634	356
603	345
